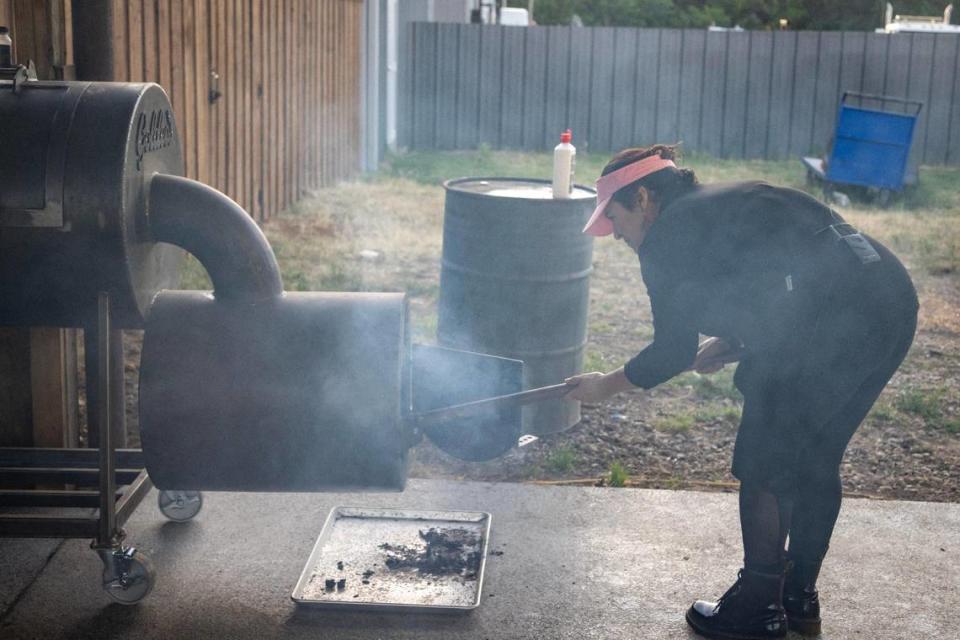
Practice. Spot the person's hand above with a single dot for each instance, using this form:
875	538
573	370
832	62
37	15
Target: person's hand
589	387
712	355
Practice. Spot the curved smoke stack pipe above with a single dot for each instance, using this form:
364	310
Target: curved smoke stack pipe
219	233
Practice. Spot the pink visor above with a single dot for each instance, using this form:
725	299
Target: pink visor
601	225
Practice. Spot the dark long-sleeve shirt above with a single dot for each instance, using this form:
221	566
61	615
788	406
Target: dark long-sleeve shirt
740	261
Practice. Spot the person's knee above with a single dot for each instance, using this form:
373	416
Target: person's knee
820	479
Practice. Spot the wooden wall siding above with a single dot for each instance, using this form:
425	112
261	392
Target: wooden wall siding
41	31
753	94
288	119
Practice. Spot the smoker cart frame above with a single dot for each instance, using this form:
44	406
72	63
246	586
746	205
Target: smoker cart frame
119	474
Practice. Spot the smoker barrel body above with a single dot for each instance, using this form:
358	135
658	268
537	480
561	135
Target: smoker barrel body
76	159
304	392
515	282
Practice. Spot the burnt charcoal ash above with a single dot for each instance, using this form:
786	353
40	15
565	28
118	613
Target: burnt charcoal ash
329	584
340	565
445	552
341	584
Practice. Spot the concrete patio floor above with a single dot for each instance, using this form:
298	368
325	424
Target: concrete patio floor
577	563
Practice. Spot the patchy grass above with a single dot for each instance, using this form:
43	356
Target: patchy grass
717	412
674	423
714	386
924	404
883	411
594	361
562	459
618	475
930	406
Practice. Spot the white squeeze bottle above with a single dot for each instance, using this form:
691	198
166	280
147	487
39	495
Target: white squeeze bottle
564	161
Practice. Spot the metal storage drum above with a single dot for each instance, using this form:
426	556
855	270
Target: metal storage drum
515	282
77	159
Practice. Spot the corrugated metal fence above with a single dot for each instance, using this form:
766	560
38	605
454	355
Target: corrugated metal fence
750	94
289	72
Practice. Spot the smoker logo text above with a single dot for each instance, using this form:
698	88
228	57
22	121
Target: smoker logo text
154	132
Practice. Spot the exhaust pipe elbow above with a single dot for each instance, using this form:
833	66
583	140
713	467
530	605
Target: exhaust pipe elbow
219	233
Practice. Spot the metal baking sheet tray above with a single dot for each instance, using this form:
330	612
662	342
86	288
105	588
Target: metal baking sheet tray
429	561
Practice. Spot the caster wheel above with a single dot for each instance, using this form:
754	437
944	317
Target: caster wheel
129	577
180	506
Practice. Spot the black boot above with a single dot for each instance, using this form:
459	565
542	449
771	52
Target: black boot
800	597
752	609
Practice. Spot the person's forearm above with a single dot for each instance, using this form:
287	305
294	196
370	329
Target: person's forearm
617	382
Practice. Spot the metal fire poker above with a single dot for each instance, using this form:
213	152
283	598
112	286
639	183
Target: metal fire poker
446	414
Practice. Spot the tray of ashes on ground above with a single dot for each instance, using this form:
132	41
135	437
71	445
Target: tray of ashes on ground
402	560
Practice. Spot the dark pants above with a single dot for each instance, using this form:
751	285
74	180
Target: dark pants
803	404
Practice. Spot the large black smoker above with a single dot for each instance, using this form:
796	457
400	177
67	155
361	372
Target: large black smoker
245	388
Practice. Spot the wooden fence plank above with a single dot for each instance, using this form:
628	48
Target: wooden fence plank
467	79
875	71
668	85
898	64
781	94
120	50
806	64
423	77
758	94
491	74
691	86
953	128
826	92
164	67
222	150
176	60
151	57
258	71
135	41
327	100
446	92
919	86
534	89
601	88
851	63
735	92
578	107
624	90
714	83
511	125
556	117
200	72
229	82
6	14
407	60
645	88
190	138
944	73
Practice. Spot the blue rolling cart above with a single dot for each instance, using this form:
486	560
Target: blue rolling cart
870	146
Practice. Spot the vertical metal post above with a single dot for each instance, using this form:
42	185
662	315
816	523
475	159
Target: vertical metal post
92	359
108	486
